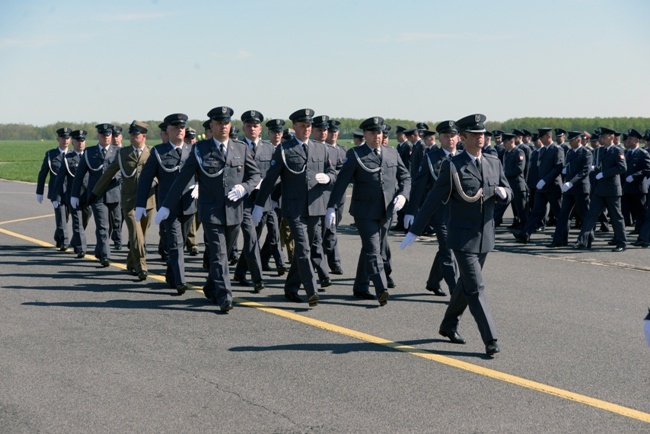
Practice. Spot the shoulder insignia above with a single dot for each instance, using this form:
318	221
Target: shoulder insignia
521	157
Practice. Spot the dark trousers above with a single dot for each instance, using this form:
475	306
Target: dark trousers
61	221
116	218
80	217
250	256
469	293
634	204
176	229
330	243
301	271
444	264
272	246
101	213
539	211
374	256
579	202
218	239
613	205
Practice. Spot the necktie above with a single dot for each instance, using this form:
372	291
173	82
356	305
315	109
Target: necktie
377	153
179	151
252	146
222	148
478	165
304	146
103	152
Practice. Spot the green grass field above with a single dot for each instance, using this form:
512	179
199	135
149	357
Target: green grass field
21	160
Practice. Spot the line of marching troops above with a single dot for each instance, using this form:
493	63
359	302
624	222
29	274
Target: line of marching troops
294	186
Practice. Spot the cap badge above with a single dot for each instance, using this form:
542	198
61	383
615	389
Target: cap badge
376	120
224	110
477	118
308	112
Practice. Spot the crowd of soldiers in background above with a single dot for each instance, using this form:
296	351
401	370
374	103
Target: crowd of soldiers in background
595	179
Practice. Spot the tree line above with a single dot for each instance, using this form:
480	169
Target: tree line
348	126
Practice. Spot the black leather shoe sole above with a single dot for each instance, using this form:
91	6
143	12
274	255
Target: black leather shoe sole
313	300
437	291
454	337
259	286
383	298
142	275
182	288
492	348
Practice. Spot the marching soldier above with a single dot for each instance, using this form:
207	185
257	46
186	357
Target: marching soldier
514	166
129	162
51	166
305	171
444	265
576	188
635	190
95	162
117	215
381	185
606	194
226	173
63	190
330	241
471	182
164	164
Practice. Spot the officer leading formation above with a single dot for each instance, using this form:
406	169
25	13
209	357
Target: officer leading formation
295	184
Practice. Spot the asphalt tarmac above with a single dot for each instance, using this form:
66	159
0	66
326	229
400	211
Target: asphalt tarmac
89	349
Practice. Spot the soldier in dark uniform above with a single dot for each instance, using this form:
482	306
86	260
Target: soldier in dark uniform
162	237
606	193
560	137
330	242
305	170
381	185
357	138
272	246
116	215
550	162
471	183
575	189
164	164
514	165
444	265
95	162
635	190
488	148
226	173
63	189
262	152
417	152
129	163
404	147
52	166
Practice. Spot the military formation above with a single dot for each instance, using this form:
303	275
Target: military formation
450	181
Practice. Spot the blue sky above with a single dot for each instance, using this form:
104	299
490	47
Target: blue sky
418	60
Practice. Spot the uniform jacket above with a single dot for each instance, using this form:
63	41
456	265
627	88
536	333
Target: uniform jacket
63	183
527	151
533	170
638	167
217	176
405	149
337	156
165	172
490	150
514	166
471	225
51	166
612	165
424	178
262	155
417	154
302	195
578	165
130	172
549	163
374	190
95	164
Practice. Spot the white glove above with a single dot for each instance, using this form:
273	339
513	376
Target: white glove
629	179
74	202
501	192
139	213
257	214
323	178
566	186
599	176
564	170
236	193
408	240
399	202
330	219
162	214
408	220
195	191
274	204
39	198
259	184
540	184
55	204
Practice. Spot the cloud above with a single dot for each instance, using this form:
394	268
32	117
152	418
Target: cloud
136	17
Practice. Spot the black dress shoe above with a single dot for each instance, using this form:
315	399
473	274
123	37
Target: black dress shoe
554	244
612	242
454	337
618	249
182	288
117	246
383	298
521	237
390	282
281	269
313	300
265	267
194	251
226	306
580	246
436	291
233	260
259	286
242	281
326	282
142	275
132	271
105	262
63	248
81	254
292	296
337	270
364	295
634	232
492	348
640	243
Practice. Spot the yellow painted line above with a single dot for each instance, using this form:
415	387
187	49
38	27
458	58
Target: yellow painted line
449	361
26	219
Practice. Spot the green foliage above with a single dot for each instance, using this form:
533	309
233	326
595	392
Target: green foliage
21	160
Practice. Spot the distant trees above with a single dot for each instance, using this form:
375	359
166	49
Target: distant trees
348	126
